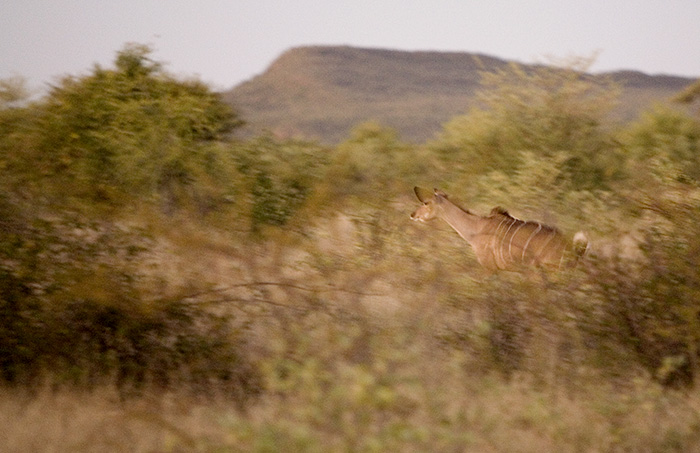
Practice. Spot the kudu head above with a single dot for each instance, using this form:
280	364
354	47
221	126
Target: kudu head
431	202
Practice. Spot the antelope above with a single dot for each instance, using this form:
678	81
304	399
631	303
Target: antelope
500	241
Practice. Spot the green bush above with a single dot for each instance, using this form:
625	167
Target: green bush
650	307
277	178
120	135
372	165
665	136
173	345
549	112
73	311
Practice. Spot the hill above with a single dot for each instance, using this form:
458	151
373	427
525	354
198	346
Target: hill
322	92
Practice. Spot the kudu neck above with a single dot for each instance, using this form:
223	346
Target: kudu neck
463	222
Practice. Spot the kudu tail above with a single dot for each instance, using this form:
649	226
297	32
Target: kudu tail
580	244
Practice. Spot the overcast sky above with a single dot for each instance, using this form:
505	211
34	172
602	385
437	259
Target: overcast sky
227	42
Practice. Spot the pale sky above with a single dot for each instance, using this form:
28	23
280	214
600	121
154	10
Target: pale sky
227	42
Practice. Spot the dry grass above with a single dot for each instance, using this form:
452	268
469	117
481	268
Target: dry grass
75	421
365	344
484	415
373	339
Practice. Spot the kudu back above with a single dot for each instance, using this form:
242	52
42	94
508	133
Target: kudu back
501	241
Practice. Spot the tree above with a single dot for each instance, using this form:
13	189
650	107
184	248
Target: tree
278	177
545	110
372	160
664	141
130	131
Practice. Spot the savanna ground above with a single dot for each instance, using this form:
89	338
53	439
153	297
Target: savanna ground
167	286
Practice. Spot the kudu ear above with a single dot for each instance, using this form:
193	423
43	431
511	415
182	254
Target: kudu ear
440	193
422	194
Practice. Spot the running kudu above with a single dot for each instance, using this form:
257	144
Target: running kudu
500	241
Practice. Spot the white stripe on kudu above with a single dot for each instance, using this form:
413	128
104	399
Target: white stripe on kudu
500	241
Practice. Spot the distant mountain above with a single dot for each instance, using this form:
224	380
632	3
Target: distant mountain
322	92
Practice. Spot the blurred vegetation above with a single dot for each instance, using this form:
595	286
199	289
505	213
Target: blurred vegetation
13	91
555	114
132	132
146	247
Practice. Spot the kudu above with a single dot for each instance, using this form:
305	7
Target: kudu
500	241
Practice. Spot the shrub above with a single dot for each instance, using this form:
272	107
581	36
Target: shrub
372	162
548	111
118	135
664	135
277	178
85	343
650	307
72	311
